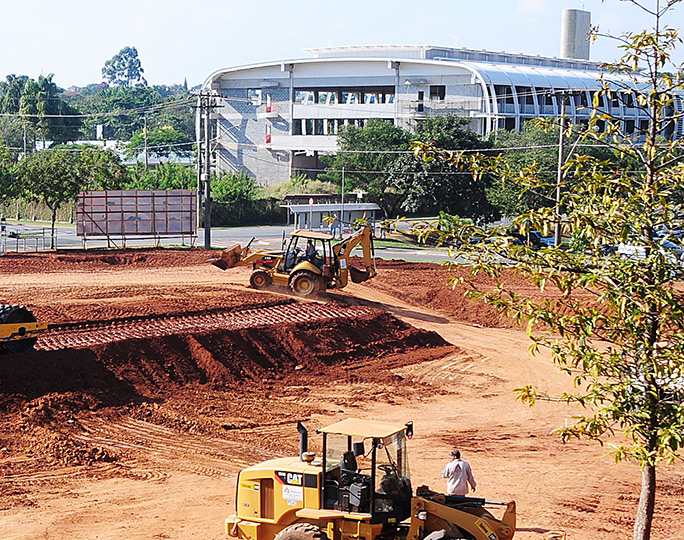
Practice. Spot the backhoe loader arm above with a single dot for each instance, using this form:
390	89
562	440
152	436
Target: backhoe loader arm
342	251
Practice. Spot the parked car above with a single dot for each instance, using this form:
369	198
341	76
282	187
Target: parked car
534	239
673	250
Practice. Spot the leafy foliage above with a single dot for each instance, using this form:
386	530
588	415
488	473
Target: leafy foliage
233	188
124	69
366	157
297	185
9	186
48	115
375	159
56	176
618	322
162	141
435	186
164	176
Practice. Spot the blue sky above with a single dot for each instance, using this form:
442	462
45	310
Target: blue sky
178	39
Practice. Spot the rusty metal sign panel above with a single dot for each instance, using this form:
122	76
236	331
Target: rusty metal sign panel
137	213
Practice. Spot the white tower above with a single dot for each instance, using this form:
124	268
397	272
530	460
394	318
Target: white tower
575	28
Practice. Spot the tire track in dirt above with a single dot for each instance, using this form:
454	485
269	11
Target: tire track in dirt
150	444
89	334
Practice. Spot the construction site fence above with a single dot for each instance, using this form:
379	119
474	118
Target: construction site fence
27	242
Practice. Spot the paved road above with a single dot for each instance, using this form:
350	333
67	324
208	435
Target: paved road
32	237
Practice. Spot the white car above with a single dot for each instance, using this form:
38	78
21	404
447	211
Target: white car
673	251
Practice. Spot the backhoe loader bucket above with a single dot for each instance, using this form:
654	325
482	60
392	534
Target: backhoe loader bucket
229	258
357	275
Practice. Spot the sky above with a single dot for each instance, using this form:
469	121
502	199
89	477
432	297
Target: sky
190	39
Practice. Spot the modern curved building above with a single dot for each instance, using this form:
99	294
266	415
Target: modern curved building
273	120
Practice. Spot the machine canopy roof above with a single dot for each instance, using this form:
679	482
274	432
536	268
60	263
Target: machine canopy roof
363	428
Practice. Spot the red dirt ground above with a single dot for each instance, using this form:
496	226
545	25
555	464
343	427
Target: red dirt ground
164	376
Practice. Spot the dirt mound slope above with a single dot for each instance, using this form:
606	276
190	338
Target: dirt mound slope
160	357
102	259
435	286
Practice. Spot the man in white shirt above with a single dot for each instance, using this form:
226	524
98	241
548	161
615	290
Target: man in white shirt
458	474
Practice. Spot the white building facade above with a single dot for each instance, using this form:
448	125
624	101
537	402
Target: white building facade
274	120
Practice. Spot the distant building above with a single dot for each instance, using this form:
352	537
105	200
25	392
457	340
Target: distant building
275	119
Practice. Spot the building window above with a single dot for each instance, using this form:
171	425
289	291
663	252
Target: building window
627	99
350	98
254	96
305	97
525	95
580	98
548	97
318	127
437	92
326	98
297	127
504	95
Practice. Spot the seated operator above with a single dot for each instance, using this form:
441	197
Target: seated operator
310	254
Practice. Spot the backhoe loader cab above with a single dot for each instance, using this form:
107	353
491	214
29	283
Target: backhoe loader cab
358	489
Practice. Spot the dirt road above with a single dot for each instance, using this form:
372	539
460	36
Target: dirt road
163	377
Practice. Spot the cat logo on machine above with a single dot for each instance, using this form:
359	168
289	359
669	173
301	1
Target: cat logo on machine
290	478
485	529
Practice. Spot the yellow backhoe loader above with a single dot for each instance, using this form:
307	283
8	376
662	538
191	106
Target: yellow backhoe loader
358	489
310	263
18	329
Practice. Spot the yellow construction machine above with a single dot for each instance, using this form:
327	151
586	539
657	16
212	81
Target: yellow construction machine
18	329
311	262
358	489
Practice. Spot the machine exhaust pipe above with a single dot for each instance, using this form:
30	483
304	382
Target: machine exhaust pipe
303	440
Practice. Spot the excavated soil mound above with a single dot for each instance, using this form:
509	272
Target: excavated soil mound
102	259
436	287
145	367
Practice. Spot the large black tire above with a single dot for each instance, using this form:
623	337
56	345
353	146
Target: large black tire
305	283
260	279
301	531
13	315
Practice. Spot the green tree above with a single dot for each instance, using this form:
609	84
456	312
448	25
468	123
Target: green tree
164	176
161	141
56	176
435	186
9	187
124	69
367	157
618	322
233	188
536	148
40	110
124	111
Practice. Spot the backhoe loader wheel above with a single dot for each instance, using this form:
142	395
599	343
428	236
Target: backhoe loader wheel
10	314
260	279
304	283
301	531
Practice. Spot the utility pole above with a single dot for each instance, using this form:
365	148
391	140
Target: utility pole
200	158
342	209
145	133
561	162
207	174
